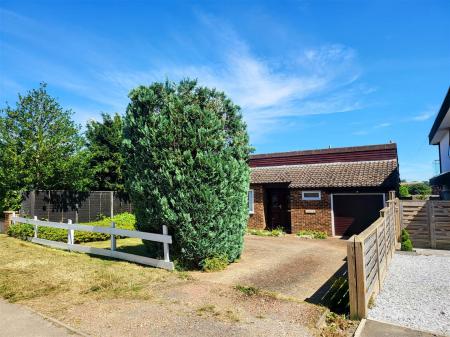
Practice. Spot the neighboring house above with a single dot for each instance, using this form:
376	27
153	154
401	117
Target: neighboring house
440	135
337	190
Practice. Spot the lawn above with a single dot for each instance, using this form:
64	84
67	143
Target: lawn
127	245
29	271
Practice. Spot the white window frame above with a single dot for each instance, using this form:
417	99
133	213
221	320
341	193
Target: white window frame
319	197
251	201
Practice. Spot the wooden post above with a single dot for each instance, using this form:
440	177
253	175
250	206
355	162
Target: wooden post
113	238
400	202
70	234
431	223
111	198
76	213
361	278
391	195
352	281
35	227
166	245
32	202
378	258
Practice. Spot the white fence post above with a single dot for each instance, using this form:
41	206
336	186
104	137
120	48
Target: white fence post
113	238
165	244
70	234
13	216
35	227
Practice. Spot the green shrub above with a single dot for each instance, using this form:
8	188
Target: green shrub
186	150
265	232
406	241
314	234
20	231
123	221
407	246
217	263
404	235
404	191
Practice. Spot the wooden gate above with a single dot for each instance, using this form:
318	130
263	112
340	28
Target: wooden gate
428	222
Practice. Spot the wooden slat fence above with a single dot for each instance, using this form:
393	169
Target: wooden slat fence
368	258
427	222
164	238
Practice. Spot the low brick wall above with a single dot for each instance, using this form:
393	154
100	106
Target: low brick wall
6	222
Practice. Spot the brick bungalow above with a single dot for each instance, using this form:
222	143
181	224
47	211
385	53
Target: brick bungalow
339	190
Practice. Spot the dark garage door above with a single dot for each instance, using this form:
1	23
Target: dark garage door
354	213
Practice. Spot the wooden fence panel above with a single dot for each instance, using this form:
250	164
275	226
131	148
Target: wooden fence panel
368	258
428	223
441	212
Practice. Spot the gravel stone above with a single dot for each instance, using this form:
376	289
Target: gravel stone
416	293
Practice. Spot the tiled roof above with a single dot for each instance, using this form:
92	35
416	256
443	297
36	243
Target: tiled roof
330	175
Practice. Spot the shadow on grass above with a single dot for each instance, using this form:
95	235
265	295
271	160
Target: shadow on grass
334	294
130	246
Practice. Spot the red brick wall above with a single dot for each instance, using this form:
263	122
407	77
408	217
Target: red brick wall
257	219
320	220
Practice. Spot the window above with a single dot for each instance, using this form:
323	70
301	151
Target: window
311	195
251	201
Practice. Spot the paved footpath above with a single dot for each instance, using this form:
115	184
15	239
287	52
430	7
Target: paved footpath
381	329
18	321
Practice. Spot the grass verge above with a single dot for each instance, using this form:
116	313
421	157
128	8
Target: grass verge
29	272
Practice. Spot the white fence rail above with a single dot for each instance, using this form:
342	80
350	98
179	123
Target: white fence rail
164	238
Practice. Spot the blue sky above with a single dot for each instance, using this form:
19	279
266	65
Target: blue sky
307	74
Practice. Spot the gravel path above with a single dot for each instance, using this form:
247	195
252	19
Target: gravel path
416	293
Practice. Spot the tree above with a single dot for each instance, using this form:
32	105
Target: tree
422	188
186	150
404	191
104	141
40	147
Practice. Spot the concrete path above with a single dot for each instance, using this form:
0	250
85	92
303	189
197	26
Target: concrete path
18	321
380	329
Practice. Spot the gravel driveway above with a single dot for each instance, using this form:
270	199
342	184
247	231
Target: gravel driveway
416	292
288	265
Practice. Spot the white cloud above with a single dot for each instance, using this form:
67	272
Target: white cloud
424	115
267	95
318	80
360	133
382	125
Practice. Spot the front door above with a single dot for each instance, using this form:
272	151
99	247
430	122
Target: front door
279	209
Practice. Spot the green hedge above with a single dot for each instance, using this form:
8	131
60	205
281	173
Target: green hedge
123	221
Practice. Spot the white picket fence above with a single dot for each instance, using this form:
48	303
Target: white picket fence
164	238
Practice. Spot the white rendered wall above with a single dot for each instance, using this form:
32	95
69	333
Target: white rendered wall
445	155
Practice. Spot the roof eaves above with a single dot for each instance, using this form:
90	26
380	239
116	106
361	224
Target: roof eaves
440	117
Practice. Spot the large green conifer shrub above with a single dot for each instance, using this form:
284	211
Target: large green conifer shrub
186	150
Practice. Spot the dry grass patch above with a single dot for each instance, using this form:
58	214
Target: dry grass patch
338	326
29	271
212	311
